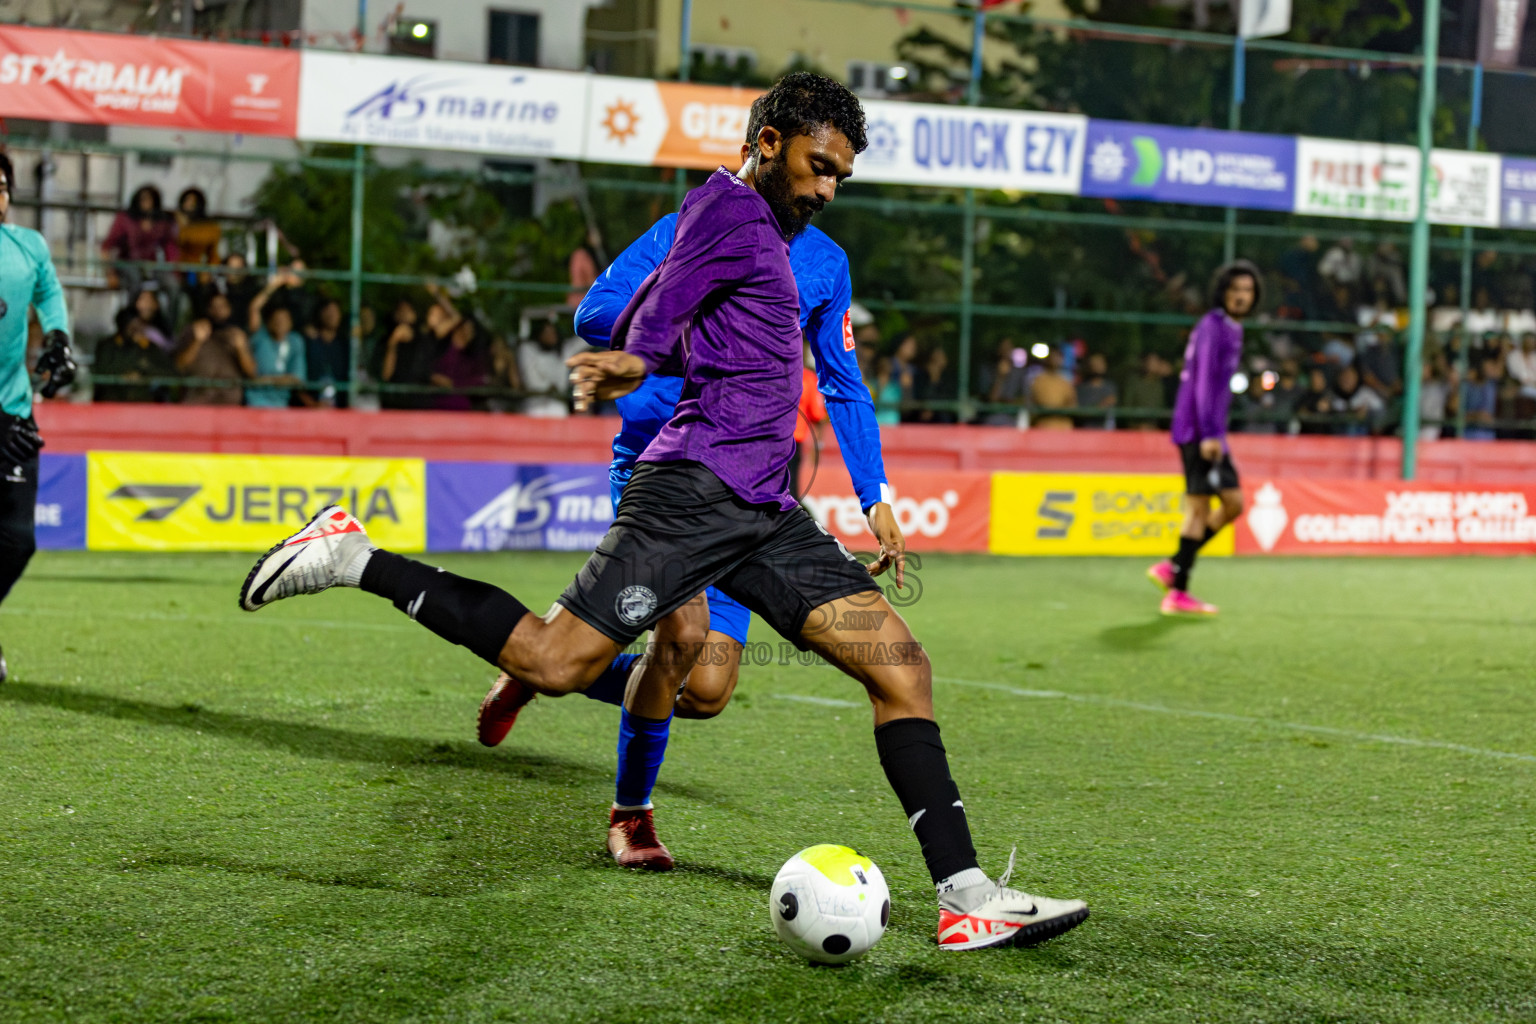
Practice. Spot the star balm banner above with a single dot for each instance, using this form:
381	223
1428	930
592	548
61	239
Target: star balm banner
96	78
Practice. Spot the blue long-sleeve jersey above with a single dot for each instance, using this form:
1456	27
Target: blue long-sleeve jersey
826	292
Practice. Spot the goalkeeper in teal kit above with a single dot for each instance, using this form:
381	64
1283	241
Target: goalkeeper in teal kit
27	280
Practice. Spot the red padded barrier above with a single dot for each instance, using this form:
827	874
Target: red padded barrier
480	437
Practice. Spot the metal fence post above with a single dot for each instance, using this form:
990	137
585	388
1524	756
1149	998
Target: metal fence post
1418	277
684	72
1463	357
355	279
1234	120
968	239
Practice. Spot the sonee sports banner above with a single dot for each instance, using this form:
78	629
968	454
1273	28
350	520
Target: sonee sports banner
1091	514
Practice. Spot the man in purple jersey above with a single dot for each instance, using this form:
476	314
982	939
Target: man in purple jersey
709	504
1200	430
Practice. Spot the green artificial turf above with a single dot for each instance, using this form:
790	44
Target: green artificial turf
1314	808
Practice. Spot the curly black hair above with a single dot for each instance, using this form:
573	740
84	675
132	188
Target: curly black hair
9	173
1222	280
803	103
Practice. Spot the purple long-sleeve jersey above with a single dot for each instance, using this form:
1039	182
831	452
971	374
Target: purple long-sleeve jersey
1205	386
725	295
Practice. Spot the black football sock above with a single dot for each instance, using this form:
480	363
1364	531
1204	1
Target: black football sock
1184	561
462	611
1210	531
915	764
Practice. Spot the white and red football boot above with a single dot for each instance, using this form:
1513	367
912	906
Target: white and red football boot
314	559
991	914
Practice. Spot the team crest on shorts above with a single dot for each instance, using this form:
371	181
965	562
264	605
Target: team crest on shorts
635	604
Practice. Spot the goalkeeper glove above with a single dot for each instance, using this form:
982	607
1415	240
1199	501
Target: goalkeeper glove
57	361
20	442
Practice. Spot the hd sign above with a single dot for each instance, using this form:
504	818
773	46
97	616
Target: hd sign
1189	165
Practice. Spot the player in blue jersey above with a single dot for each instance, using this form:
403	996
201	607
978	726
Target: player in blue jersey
27	279
826	295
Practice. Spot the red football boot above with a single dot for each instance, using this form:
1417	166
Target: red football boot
633	843
498	711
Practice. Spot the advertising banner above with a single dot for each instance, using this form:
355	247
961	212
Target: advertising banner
61	502
175	502
973	147
1517	192
481	108
101	78
1464	188
1369	180
669	124
1500	31
1364	517
1091	514
487	506
1189	165
936	510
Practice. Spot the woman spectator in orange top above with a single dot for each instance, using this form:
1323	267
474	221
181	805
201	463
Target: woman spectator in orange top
198	235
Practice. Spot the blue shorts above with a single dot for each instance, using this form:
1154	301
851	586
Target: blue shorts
726	614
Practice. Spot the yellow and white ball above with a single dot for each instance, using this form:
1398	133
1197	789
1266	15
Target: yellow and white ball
829	904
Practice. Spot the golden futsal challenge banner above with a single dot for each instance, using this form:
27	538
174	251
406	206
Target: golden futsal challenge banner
176	502
1090	514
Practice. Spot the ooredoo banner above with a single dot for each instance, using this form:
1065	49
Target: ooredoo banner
100	78
480	506
936	510
1364	517
483	108
1091	514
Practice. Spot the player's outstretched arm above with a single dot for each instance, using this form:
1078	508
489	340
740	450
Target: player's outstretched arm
893	545
598	376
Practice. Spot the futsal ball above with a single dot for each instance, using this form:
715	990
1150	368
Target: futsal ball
829	904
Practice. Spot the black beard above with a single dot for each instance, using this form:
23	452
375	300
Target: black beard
792	214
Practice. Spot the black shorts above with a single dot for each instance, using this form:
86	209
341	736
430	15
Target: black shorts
1202	476
680	529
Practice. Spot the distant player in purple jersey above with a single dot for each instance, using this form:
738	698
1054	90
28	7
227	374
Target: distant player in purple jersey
1200	431
709	504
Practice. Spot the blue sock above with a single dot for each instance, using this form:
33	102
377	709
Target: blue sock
642	748
609	687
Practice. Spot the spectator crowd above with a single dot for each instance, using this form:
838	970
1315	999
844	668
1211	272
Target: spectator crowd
230	336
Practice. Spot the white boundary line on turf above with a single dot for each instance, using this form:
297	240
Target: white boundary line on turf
826	702
1222	716
211	620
